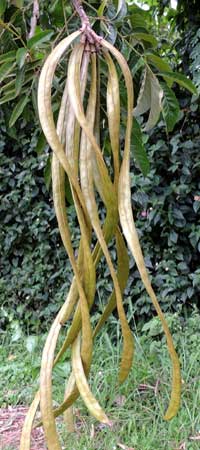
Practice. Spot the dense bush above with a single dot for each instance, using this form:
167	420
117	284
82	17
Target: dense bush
33	281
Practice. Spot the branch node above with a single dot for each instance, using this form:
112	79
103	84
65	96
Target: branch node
88	34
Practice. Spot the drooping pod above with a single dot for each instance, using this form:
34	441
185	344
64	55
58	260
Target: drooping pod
129	229
76	143
88	192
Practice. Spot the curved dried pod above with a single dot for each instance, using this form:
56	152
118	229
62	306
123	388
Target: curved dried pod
122	275
88	268
62	316
25	440
109	228
113	112
58	182
128	226
88	192
45	109
90	401
65	312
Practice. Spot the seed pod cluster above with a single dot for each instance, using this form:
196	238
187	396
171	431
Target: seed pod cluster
76	141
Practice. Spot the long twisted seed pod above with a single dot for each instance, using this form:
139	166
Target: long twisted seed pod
122	275
109	229
89	281
58	180
45	110
87	188
113	112
61	317
131	235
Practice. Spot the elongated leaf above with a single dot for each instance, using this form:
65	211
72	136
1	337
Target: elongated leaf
18	3
9	96
101	8
180	79
138	148
156	98
41	144
18	110
138	16
121	11
5	69
19	81
158	62
9	56
2	7
144	97
170	107
140	63
8	86
150	97
39	38
110	30
21	56
146	37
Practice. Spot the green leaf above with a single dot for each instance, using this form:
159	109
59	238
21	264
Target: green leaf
180	79
39	38
158	62
8	86
140	63
2	7
170	107
5	69
150	97
19	81
47	173
41	144
18	3
68	192
110	31
144	97
138	16
121	11
18	110
145	37
9	56
21	57
138	148
8	97
101	8
156	106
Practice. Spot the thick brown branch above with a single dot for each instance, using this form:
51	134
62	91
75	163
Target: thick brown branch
79	9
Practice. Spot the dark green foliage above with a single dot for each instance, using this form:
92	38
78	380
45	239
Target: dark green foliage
33	282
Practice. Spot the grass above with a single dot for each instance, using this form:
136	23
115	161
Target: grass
136	410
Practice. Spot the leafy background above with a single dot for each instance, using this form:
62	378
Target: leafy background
35	272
